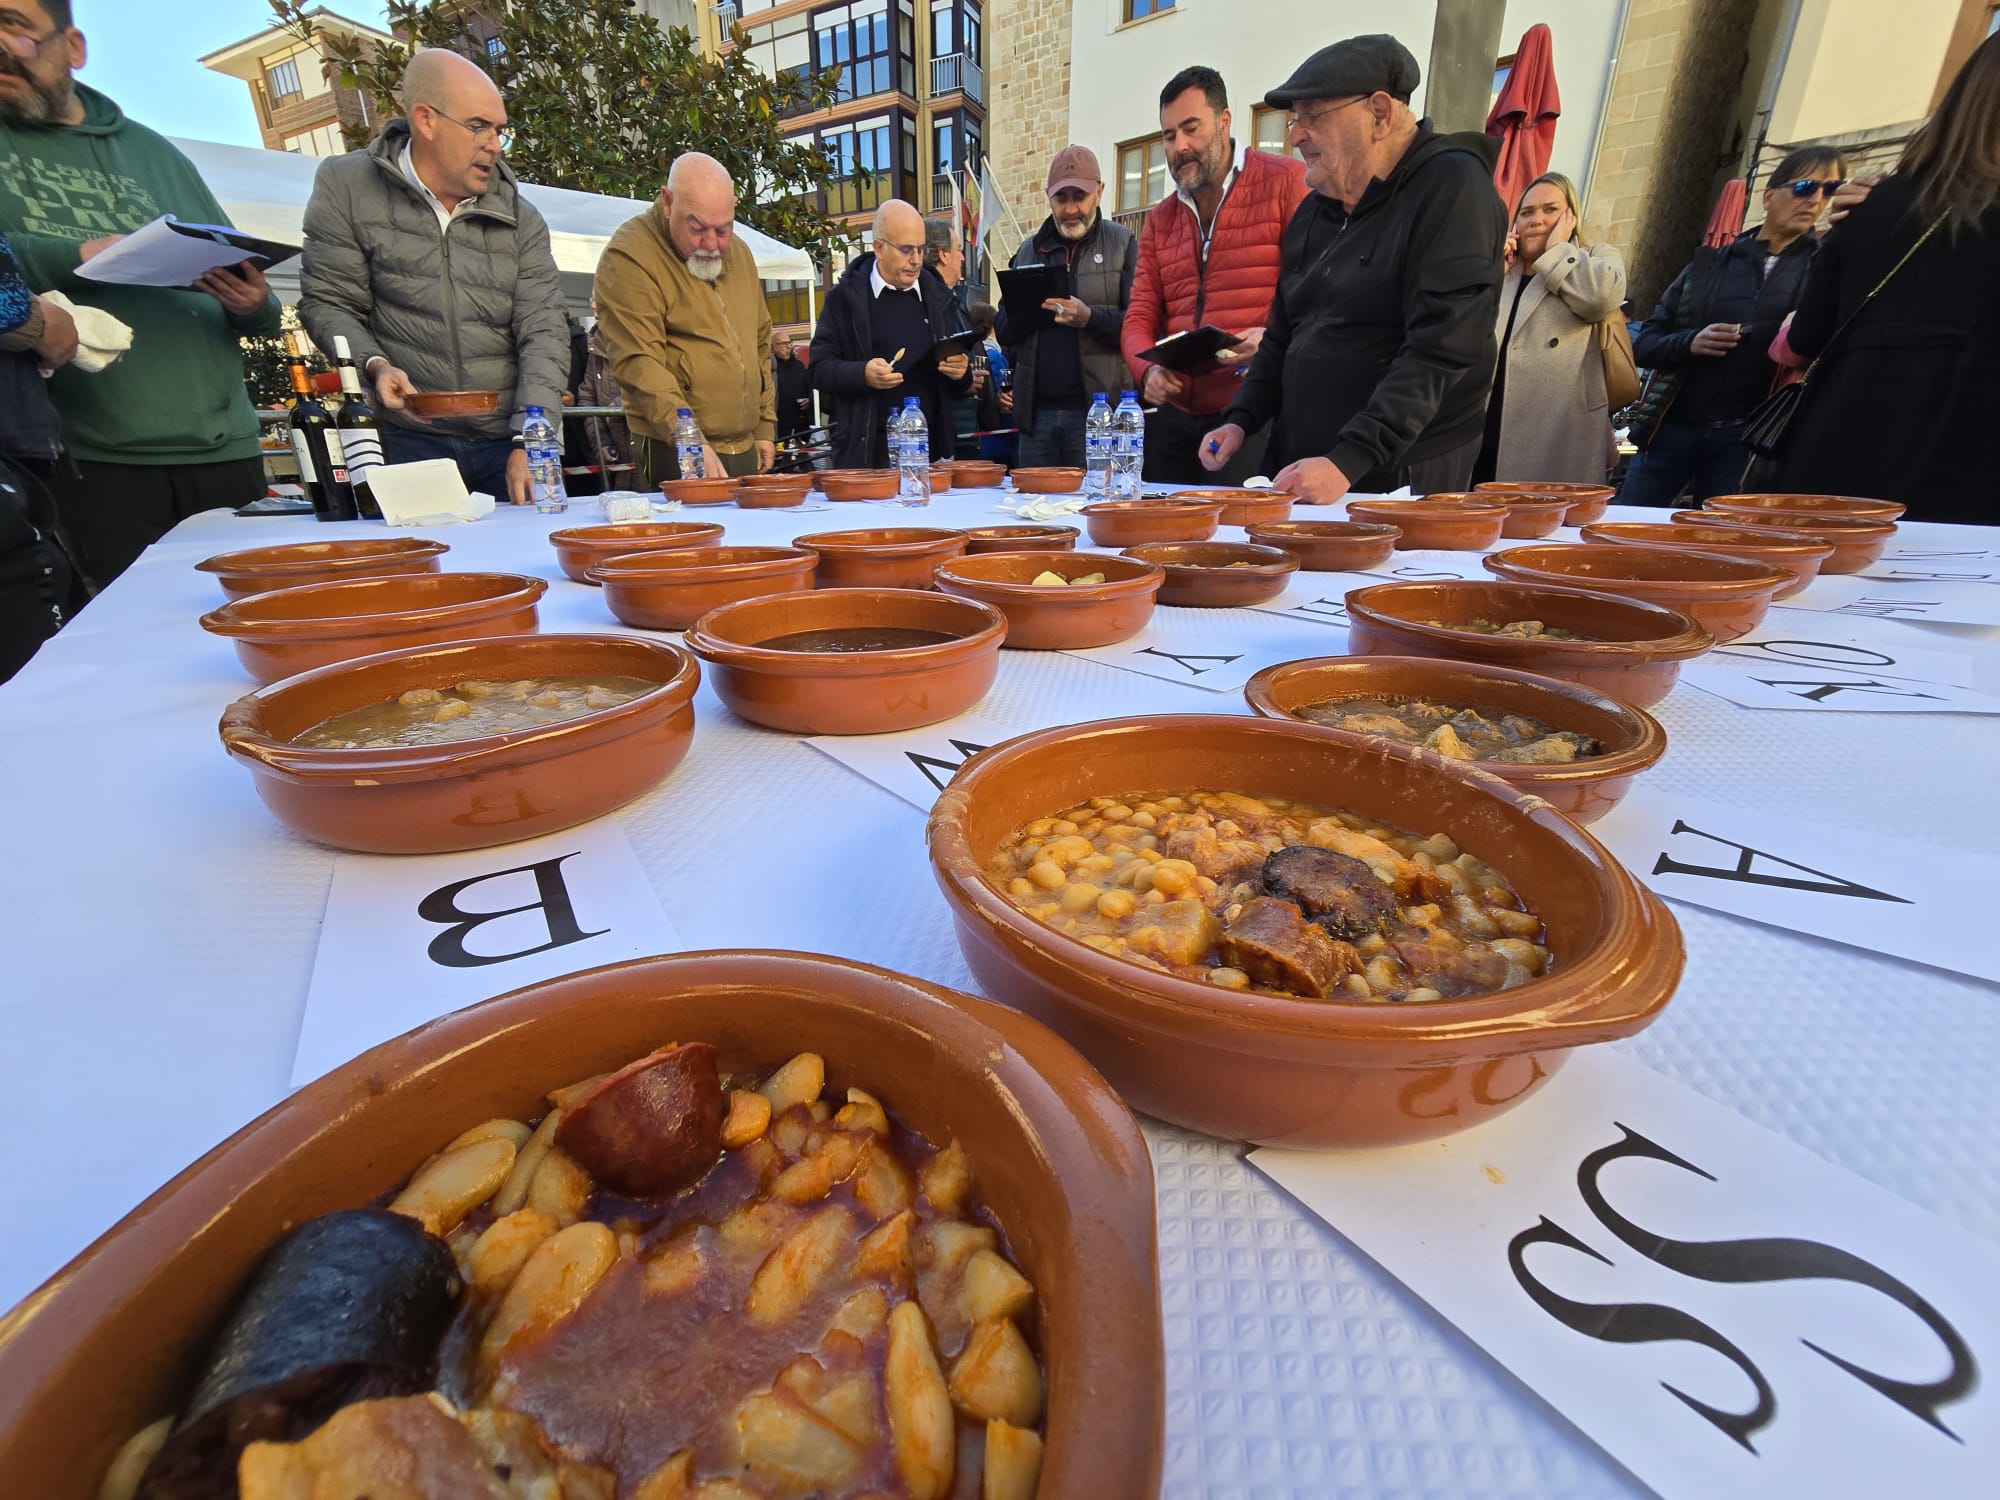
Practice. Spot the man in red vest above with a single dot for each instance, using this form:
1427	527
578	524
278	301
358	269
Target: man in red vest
1207	254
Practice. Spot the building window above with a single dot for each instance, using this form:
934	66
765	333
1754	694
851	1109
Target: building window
862	147
954	28
856	39
495	47
1138	10
784	50
944	146
284	79
1142	173
1503	69
1267	130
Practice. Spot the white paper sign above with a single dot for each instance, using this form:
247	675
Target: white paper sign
1883	895
1806	643
1753	684
1215	661
915	764
408	938
1857	594
1724	1312
1939	557
1422	565
1316	598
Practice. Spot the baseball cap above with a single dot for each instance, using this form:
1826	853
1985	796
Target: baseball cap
1075	167
1359	65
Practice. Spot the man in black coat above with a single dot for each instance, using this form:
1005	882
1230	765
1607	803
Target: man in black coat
794	390
874	344
1378	354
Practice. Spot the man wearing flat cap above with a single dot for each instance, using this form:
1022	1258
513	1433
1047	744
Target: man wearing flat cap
1378	353
1072	356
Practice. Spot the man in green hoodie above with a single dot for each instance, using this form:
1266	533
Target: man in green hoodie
168	430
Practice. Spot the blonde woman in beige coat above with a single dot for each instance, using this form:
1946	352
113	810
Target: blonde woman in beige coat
1548	418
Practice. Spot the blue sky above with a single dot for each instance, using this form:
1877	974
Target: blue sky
144	54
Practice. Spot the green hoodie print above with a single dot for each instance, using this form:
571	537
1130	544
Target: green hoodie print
177	397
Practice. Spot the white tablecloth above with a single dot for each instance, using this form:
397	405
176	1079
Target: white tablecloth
158	929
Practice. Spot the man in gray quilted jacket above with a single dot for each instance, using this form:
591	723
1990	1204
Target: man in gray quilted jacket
422	253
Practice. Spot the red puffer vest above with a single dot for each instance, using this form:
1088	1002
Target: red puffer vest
1172	291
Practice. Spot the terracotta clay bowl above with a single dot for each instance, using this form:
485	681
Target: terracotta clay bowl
850	692
671	590
258	570
1806	507
977	473
773	481
1130	523
857	484
1631	740
1329	546
1044	617
296	629
1857	545
1277	1069
881	557
717	491
453	403
1218	575
773	496
1529	514
1725	595
1020	539
941	479
1442	525
1797	555
108	1343
1245	507
1048	481
430	799
578	547
1588	502
1634	657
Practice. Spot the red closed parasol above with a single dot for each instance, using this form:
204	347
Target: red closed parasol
1725	222
1524	116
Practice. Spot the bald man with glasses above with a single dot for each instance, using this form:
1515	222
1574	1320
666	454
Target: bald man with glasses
423	254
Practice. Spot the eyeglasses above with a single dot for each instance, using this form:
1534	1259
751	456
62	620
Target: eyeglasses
906	251
1805	187
1294	121
482	133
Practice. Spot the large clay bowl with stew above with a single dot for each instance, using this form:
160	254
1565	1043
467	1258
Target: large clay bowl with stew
1048	481
578	547
1725	595
1329	546
1020	539
1588	502
1749	507
671	590
857	484
1052	617
258	570
881	557
1857	545
1130	523
1634	651
1245	507
467	794
977	473
1218	575
296	629
109	1343
772	495
1441	525
1529	514
1630	740
718	490
1280	1069
1796	555
850	692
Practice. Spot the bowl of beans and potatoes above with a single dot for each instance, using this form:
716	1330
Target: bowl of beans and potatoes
1275	932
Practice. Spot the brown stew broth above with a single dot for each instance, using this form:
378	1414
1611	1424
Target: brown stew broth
858	638
470	711
1453	730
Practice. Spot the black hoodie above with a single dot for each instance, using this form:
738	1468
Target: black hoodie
841	349
1379	348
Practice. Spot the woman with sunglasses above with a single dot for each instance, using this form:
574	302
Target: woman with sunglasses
1548	417
1707	343
1904	402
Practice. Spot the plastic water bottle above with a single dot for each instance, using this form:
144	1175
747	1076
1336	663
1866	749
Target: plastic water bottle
1097	447
895	431
688	445
913	464
544	462
1128	446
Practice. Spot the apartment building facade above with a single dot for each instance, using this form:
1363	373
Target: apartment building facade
297	108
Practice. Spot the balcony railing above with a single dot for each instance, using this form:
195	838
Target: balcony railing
1133	219
727	12
944	191
957	73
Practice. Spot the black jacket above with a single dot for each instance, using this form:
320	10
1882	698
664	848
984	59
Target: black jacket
1904	404
1379	349
793	388
1728	285
1102	266
840	352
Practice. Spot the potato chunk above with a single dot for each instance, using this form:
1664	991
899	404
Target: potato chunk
749	1117
1013	1463
996	1377
922	1431
994	1289
790	1275
796	1082
885	1253
947	1179
776	1441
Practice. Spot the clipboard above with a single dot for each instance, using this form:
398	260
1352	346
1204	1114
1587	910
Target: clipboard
962	342
1024	288
1193	351
169	253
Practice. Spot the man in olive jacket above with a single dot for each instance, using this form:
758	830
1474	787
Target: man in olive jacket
423	254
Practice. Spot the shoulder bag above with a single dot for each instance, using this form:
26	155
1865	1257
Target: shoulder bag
1621	368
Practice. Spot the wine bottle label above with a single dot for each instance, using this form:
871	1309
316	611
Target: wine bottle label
307	473
363	447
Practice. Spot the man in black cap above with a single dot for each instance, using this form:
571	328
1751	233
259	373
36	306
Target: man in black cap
1378	353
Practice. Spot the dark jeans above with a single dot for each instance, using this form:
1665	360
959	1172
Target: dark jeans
1708	457
1055	441
482	462
1173	450
1445	474
658	460
113	512
38	588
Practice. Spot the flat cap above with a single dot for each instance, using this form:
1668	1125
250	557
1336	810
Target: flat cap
1359	65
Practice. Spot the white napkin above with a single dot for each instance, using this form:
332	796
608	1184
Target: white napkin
427	493
1044	509
626	505
100	338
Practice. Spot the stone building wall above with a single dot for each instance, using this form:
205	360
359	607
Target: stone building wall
1027	91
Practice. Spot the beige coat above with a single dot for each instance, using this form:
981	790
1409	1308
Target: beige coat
1555	424
676	340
